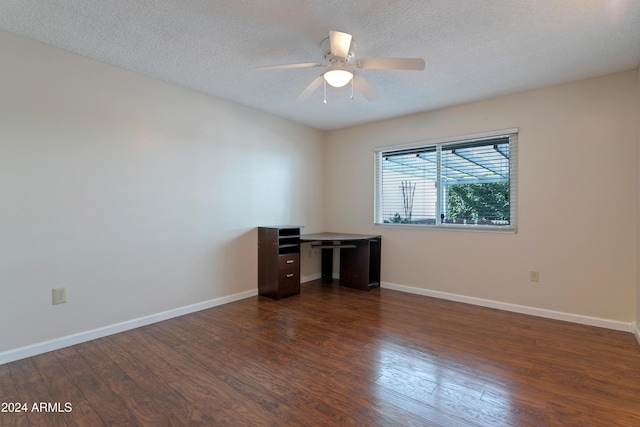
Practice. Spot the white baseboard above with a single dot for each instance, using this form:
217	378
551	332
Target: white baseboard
540	312
309	278
57	343
636	331
316	276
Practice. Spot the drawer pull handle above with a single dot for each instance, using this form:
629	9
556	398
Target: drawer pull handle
290	275
289	261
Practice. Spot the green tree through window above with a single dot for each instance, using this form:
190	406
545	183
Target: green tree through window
478	202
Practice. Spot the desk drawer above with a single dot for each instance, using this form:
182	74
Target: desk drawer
288	261
289	280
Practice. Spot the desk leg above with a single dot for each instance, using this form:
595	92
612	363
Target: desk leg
327	264
375	252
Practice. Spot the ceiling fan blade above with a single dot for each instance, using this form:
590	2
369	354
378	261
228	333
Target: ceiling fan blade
362	85
283	66
391	63
340	43
310	89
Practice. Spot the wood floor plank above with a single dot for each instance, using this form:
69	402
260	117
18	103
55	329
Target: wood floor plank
333	356
226	377
10	397
135	398
110	409
34	392
63	389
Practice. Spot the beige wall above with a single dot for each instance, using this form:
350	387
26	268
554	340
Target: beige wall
578	190
136	195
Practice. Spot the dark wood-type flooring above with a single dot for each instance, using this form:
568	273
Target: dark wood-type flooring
334	356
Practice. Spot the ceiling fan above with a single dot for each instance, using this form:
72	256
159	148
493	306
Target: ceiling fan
341	65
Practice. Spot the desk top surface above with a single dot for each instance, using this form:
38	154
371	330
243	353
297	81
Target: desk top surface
336	237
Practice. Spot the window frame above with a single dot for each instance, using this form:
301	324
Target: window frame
437	144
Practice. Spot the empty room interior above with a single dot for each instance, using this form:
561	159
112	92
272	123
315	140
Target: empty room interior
144	147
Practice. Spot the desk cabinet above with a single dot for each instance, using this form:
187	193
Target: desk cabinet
360	267
278	261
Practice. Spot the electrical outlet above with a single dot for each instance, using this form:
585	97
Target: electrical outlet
534	276
58	295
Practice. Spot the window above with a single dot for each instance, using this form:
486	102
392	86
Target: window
464	182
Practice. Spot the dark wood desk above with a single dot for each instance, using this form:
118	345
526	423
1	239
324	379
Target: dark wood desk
359	257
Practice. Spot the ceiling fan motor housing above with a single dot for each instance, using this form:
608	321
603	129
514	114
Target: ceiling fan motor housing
325	45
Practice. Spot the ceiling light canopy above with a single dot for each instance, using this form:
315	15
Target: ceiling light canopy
338	75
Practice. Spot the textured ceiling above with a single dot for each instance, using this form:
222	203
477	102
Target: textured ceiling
473	49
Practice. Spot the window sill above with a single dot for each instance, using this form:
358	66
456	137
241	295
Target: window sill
454	227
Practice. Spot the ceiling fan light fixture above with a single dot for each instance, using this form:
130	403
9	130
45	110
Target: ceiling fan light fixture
338	76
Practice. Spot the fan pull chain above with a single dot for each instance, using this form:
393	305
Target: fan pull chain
325	92
352	88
